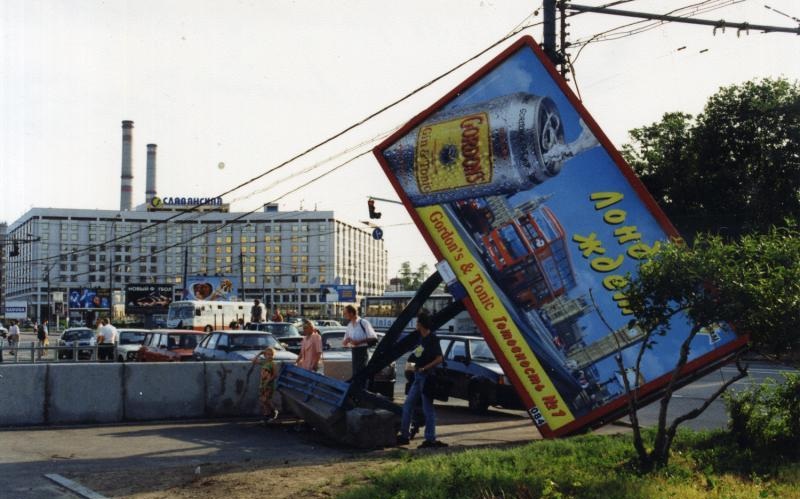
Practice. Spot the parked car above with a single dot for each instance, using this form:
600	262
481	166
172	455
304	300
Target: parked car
327	323
474	372
129	343
333	350
239	345
286	333
169	345
77	336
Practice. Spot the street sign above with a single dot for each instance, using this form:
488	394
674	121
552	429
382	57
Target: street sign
514	185
377	233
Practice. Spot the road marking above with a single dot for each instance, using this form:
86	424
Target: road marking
74	487
762	371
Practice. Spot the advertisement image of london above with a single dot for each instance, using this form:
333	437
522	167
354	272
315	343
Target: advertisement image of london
517	189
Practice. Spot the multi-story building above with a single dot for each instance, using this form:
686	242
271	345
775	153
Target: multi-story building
282	258
3	252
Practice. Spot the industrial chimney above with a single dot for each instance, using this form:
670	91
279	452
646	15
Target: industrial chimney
150	189
126	187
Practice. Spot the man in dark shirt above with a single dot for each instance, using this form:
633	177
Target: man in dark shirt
429	355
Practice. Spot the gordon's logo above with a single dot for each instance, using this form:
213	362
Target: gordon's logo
453	154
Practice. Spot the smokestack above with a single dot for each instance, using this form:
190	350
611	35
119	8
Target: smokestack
150	189
126	188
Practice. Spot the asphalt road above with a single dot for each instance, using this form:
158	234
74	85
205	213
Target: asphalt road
27	454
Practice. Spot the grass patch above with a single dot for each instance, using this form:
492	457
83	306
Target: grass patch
704	464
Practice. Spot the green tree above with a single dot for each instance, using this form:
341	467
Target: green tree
733	169
752	283
410	279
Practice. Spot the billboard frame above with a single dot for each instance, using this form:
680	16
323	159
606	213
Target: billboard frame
651	389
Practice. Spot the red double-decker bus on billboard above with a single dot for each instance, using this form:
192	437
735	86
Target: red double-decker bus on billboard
528	253
517	189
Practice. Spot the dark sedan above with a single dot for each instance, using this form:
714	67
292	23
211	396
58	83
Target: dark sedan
285	332
474	372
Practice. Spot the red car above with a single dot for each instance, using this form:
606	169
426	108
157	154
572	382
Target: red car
169	345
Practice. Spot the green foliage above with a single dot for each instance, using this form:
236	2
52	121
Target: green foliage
767	417
710	464
411	279
735	168
753	283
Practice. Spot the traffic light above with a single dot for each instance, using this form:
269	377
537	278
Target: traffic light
372	212
14	249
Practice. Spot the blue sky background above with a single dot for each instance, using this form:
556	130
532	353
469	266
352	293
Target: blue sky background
591	171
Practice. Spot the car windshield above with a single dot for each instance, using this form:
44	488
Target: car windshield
183	311
78	334
282	330
332	341
251	341
182	341
480	351
131	338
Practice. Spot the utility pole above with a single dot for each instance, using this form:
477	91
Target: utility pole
563	43
549	31
185	270
241	274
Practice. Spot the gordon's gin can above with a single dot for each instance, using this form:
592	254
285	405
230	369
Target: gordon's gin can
505	145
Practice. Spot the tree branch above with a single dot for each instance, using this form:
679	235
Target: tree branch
699	410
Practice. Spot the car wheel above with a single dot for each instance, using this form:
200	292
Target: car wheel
478	400
208	329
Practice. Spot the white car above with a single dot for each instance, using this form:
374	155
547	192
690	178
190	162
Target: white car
128	343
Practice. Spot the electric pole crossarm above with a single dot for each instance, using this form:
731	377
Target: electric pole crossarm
686	20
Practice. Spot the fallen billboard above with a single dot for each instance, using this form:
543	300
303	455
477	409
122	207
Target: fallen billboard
517	189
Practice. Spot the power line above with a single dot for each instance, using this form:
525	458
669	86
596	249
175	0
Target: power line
316	146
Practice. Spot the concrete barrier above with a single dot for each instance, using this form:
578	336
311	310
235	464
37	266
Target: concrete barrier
167	390
48	393
79	395
22	394
232	389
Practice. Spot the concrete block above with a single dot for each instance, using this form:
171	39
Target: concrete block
88	393
368	428
232	389
22	394
167	390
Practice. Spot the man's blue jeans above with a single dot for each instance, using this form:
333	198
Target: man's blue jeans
412	399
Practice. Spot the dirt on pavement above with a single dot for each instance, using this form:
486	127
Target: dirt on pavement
235	481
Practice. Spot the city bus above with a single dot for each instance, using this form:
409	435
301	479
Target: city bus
206	315
381	311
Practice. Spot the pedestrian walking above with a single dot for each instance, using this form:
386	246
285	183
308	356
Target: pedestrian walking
13	337
310	348
106	339
359	335
267	387
429	355
41	335
257	312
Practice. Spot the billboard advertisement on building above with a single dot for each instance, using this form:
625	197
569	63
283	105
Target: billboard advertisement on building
148	298
15	310
514	185
217	288
89	298
333	293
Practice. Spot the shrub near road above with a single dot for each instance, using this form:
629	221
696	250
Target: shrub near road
708	464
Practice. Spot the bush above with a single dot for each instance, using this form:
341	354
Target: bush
767	416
